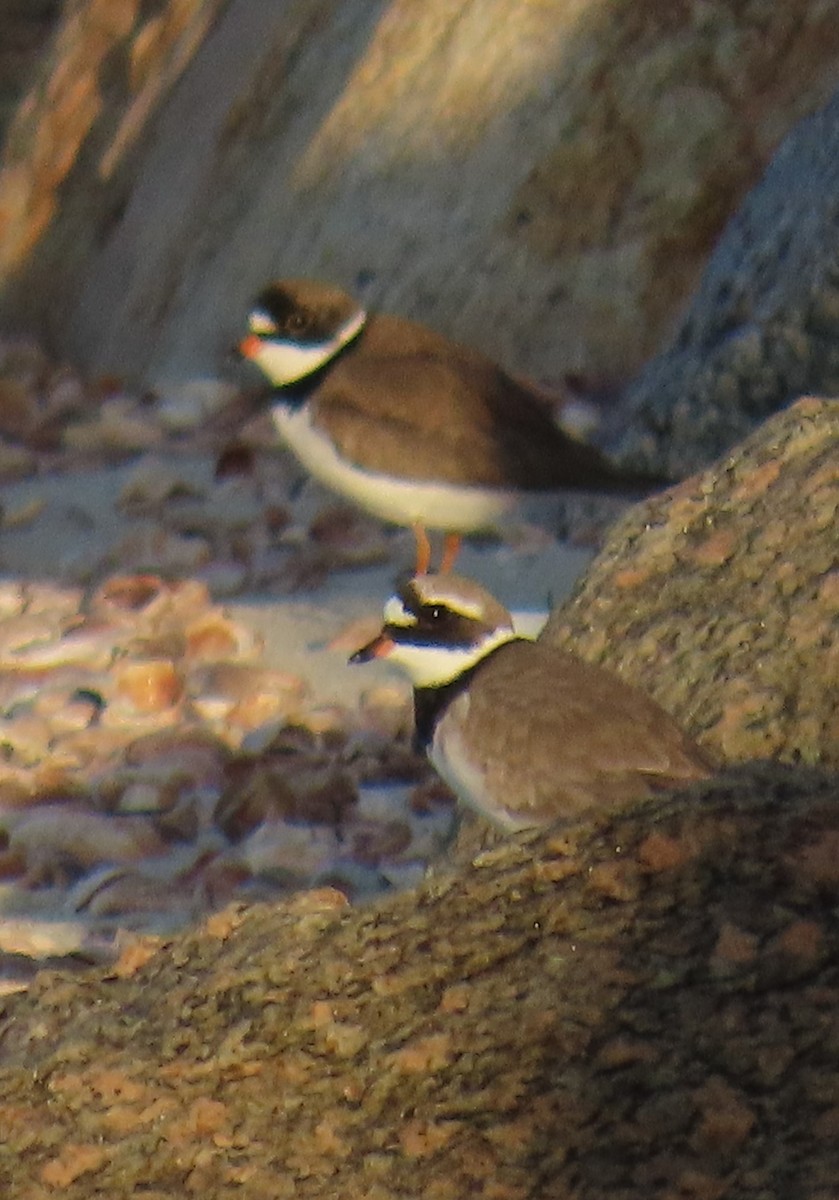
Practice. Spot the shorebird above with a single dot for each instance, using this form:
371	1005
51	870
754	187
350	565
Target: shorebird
524	733
416	429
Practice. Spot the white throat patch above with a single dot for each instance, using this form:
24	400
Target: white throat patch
435	666
286	362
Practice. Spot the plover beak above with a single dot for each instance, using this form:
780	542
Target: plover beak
380	647
249	346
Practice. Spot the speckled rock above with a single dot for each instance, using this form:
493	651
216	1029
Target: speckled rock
763	327
642	1008
542	180
721	597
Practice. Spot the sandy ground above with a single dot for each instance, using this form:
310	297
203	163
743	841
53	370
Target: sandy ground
79	519
198	827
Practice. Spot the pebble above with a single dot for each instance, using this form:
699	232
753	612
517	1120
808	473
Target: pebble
115	892
58	841
25	514
214	637
149	686
182	408
153	482
16	462
293	853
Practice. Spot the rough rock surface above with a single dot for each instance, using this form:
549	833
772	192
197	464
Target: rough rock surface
643	1008
721	596
25	26
543	180
763	327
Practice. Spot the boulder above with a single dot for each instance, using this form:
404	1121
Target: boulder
643	1006
763	327
544	181
24	31
720	597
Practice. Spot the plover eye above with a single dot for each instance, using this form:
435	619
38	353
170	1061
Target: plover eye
295	323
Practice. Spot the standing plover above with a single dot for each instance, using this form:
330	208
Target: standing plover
417	429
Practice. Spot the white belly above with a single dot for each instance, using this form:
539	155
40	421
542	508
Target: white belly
448	506
456	767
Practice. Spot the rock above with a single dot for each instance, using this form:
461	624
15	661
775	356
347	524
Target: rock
290	853
26	514
546	180
147	600
643	1006
721	597
51	841
764	325
19	409
148	685
24	32
152	483
118	426
42	939
117	892
244	696
184	408
149	547
215	636
224	578
39	647
16	462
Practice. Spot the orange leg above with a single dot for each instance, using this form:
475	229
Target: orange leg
423	550
451	549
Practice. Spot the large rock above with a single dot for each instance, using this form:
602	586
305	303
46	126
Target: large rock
764	325
543	180
721	596
644	1007
25	26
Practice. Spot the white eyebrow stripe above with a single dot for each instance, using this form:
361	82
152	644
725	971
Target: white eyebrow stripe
460	606
453	602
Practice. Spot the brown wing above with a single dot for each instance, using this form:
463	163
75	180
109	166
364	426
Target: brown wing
440	411
592	740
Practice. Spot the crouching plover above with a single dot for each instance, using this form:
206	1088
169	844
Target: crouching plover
523	732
